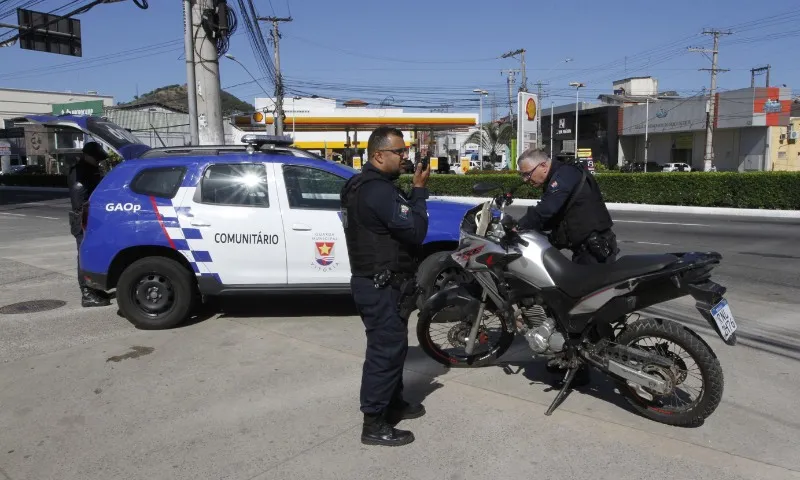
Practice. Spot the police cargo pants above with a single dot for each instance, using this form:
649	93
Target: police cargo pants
387	344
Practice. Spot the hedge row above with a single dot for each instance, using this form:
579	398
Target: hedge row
764	190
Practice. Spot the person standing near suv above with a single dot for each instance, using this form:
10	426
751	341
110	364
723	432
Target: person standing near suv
384	229
82	178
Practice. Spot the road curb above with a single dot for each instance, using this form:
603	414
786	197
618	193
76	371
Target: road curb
34	189
636	207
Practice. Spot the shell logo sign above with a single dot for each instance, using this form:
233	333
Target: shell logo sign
258	117
530	108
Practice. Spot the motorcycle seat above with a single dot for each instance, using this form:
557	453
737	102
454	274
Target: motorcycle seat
580	280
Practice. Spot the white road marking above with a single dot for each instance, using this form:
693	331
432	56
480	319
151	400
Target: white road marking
49	218
664	223
13	214
655	243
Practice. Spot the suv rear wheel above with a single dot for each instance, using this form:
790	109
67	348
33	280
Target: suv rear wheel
155	293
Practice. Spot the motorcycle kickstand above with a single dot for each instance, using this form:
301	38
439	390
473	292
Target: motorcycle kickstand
562	394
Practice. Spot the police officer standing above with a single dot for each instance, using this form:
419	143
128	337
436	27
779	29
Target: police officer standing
82	178
572	209
384	229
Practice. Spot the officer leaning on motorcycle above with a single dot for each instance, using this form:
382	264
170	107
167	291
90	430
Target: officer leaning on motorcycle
572	209
384	229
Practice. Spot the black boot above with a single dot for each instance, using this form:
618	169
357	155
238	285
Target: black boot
403	410
92	298
377	431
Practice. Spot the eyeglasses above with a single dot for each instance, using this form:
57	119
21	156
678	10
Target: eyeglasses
396	151
527	175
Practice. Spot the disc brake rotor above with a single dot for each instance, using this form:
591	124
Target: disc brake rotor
457	336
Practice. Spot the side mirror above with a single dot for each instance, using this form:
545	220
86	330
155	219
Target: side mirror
482	188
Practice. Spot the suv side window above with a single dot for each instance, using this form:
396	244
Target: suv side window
159	181
235	184
312	188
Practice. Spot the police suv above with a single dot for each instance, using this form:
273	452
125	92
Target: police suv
170	225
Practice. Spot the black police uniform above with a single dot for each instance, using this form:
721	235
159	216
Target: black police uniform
384	230
82	180
572	208
584	226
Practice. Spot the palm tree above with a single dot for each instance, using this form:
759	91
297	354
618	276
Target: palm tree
495	135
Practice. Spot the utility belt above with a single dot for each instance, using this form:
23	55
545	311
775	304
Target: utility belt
601	245
406	283
388	278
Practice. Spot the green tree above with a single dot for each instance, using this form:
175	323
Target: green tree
495	135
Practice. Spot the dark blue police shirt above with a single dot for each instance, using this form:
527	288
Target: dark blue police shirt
556	192
385	209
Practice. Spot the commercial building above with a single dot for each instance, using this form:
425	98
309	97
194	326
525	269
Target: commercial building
745	122
597	130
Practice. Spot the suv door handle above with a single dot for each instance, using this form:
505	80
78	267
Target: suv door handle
300	226
200	223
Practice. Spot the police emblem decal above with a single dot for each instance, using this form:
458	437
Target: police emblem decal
325	252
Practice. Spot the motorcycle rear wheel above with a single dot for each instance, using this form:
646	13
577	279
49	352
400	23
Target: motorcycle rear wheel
707	364
480	357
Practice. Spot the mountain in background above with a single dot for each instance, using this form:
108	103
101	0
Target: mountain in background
175	97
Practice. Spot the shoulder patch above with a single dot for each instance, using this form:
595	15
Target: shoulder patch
403	213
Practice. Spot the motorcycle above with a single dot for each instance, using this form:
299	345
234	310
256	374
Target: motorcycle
579	316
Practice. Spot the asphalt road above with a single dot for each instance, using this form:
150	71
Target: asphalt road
269	389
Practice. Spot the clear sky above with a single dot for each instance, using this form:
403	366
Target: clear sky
425	53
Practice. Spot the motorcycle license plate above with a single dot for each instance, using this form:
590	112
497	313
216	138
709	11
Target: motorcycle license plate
724	318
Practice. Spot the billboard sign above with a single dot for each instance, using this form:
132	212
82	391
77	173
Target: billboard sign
92	108
45	32
527	121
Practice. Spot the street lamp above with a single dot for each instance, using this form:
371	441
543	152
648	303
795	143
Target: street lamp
231	57
480	93
577	86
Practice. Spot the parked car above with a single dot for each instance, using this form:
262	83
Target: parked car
677	167
170	225
638	167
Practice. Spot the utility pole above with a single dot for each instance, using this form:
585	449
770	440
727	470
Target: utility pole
524	85
539	85
209	105
510	82
754	71
278	78
191	81
709	153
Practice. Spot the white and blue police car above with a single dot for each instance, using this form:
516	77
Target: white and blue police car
170	226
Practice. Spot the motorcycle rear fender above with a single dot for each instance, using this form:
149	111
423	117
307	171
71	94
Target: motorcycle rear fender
455	295
707	295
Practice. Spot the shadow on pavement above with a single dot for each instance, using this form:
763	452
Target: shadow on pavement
418	387
15	197
283	306
601	387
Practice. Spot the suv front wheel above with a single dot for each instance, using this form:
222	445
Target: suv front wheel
155	293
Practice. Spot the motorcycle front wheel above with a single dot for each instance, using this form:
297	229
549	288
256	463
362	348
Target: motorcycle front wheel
696	380
442	335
